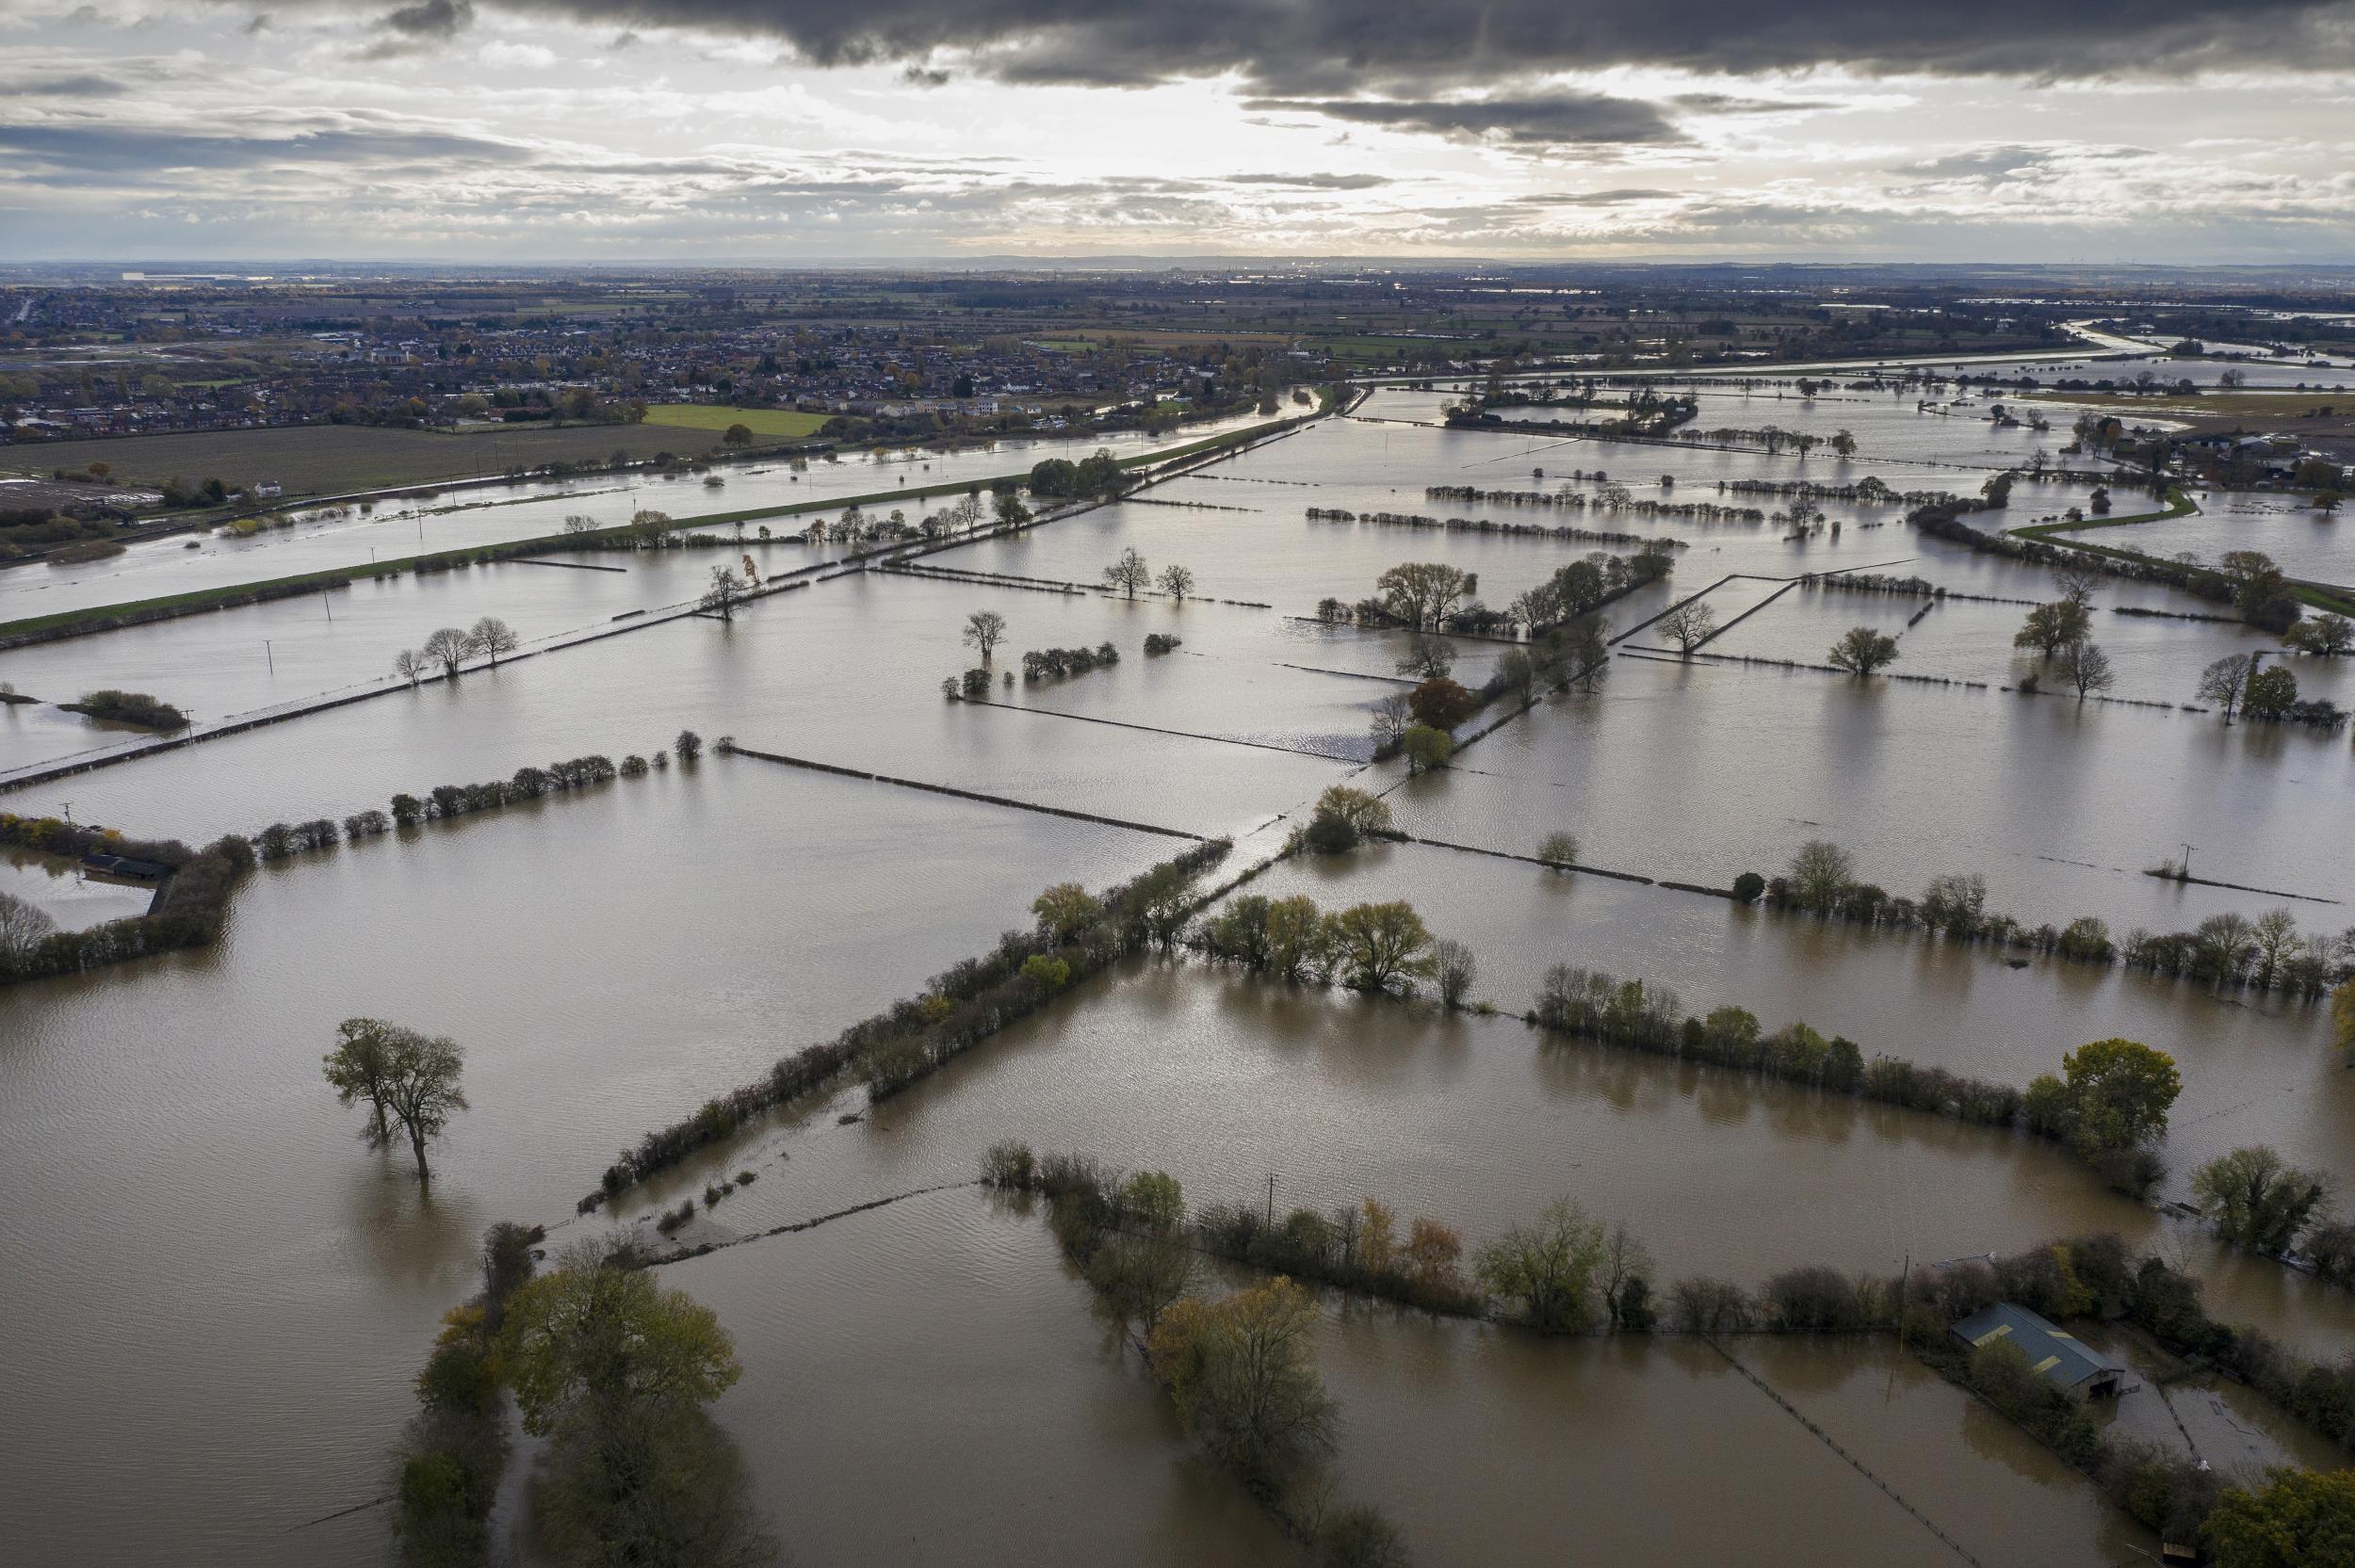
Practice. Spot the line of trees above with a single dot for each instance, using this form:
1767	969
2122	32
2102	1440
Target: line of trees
2269	953
1569	1272
2265	693
452	646
2108	1105
958	1008
189	909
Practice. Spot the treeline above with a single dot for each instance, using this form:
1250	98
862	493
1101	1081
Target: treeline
1239	1367
1076	935
446	801
1567	1272
1041	663
1611	498
2109	1106
2227	951
1868	491
1488	525
1944	520
189	911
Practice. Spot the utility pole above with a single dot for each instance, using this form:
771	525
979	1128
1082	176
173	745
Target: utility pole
267	654
1271	1201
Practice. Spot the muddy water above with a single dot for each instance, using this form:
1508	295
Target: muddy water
2255	1069
326	538
1490	1447
943	1337
202	1246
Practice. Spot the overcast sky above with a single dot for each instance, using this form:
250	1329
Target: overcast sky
792	130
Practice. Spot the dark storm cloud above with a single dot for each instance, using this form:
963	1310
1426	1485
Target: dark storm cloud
1549	119
430	19
1297	46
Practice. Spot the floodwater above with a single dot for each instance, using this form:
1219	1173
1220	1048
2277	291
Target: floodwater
943	1337
214	1253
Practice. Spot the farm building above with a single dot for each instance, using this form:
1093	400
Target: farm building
2062	1359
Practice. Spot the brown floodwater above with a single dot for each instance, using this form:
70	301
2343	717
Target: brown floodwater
202	1249
943	1338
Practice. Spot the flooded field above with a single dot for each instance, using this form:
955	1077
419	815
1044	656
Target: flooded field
203	1247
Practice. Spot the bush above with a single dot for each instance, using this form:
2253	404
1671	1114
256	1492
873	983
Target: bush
1157	643
1749	886
129	707
1559	850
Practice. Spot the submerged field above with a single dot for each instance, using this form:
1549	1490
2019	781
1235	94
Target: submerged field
212	1251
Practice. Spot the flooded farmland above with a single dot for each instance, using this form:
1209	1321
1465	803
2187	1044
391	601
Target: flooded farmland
202	1245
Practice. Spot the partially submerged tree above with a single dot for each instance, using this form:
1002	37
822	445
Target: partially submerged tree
1128	573
1689	625
1381	947
727	591
1177	582
1549	1272
449	648
2048	628
493	637
1861	650
2225	682
2083	666
410	1082
2255	1199
983	630
1420	593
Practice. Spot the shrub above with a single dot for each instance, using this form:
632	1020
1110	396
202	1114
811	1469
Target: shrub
1559	850
129	707
1157	643
1749	886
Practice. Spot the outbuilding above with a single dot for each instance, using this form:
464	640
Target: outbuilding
2053	1353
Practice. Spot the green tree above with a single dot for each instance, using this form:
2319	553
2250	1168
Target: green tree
1820	873
1065	911
2325	637
1549	1272
1861	650
2271	693
2051	627
2297	1519
1428	748
2343	1016
1381	947
1243	1377
2255	1199
737	435
2119	1093
360	1068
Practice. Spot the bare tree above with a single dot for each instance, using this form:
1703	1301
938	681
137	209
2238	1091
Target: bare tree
494	636
1128	573
410	665
1177	582
1689	625
725	592
449	648
2225	681
2086	667
1393	715
23	927
983	630
1421	594
2077	581
579	523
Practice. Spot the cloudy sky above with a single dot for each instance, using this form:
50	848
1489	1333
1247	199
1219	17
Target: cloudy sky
811	130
